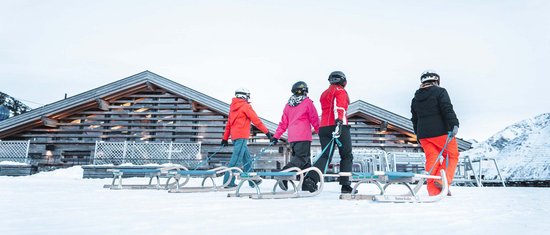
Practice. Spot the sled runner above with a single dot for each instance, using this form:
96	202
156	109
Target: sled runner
385	179
211	174
151	173
290	175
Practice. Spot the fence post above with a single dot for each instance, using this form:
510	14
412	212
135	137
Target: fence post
124	151
95	153
170	152
27	152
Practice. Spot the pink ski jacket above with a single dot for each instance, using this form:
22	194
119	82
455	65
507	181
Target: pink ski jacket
298	120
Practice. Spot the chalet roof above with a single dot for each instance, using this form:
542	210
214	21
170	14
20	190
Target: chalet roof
360	107
117	86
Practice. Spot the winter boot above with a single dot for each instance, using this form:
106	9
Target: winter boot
283	184
347	189
309	185
438	185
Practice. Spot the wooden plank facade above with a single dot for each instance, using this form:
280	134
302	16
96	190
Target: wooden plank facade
149	108
144	108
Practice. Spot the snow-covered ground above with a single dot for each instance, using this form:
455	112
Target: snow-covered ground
61	202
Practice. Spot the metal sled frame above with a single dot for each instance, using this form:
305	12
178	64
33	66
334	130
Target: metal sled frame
151	173
290	174
186	175
385	179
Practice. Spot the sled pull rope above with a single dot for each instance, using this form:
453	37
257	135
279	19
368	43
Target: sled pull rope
440	156
208	158
262	152
331	143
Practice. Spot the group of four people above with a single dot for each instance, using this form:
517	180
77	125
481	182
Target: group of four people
433	117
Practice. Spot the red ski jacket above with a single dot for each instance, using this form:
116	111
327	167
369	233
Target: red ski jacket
238	123
334	105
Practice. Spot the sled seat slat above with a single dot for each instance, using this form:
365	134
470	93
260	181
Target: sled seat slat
197	172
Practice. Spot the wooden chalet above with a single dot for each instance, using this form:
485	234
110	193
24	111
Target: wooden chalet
144	107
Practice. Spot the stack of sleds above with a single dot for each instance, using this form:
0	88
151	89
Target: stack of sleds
177	179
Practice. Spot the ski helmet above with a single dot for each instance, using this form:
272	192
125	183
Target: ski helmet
337	77
242	93
428	76
299	88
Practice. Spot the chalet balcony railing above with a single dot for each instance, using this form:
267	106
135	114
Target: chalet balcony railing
116	153
14	151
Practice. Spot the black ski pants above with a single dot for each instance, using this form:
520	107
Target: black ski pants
301	152
346	156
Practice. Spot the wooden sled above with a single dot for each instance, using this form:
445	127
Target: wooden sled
182	177
385	179
291	175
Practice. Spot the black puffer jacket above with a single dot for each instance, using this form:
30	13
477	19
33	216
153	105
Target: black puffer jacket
432	112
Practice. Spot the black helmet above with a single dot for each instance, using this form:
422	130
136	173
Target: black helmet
299	88
429	76
337	77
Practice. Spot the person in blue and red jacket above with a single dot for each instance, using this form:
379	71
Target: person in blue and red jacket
435	122
241	115
334	104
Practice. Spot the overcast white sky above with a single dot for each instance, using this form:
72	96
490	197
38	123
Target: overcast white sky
493	56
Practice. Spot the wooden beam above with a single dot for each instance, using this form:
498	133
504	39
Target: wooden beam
49	121
150	86
103	104
384	126
196	107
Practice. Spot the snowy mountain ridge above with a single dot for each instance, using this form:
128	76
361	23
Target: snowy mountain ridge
522	150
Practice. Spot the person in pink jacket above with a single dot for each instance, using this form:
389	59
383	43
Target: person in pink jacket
298	117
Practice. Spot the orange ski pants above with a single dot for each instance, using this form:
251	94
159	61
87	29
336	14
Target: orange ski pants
432	147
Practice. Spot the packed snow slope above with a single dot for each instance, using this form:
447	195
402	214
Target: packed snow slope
61	202
522	150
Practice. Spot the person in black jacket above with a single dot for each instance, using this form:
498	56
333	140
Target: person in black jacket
435	123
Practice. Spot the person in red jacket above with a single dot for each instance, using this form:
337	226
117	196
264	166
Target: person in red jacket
435	122
299	116
241	115
334	104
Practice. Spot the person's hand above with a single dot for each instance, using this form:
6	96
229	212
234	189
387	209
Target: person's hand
454	131
338	128
339	122
274	141
225	143
269	135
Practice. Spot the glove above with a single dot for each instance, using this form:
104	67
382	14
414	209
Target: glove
269	135
454	131
339	122
225	143
338	129
274	141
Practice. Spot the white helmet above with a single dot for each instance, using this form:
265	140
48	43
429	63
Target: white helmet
242	93
429	75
